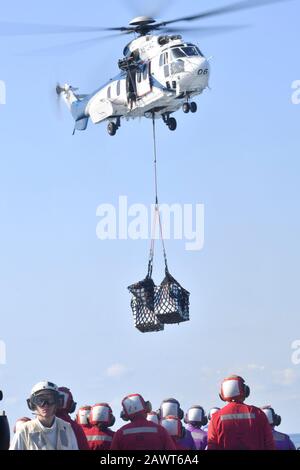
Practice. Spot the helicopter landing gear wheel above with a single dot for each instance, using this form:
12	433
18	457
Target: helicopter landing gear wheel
186	108
193	107
172	124
112	128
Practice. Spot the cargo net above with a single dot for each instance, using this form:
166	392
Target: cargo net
154	306
171	301
142	305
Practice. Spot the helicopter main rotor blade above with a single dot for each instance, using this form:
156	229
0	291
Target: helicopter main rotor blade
206	30
27	29
238	6
72	47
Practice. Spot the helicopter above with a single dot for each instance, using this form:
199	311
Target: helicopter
159	72
159	75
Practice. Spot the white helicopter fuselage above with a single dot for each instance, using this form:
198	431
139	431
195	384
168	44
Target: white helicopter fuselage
161	73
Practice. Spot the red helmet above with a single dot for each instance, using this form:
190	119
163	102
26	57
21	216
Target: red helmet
67	403
19	423
233	388
101	415
174	426
83	414
134	404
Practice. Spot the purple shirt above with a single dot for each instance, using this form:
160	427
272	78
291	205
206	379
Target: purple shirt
187	441
199	437
282	441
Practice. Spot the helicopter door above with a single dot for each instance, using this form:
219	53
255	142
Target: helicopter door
143	85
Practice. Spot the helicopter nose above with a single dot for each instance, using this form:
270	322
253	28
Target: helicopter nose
201	68
201	72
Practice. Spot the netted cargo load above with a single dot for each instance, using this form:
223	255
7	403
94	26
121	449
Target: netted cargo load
154	306
142	305
171	301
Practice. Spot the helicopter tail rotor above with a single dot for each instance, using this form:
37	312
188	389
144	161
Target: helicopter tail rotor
64	89
59	89
67	92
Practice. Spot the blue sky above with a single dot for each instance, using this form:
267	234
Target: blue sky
65	309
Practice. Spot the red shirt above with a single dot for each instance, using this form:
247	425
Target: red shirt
99	439
141	434
240	427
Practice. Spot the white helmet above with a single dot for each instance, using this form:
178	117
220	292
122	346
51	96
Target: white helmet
45	385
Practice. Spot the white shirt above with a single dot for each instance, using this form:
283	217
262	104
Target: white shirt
50	435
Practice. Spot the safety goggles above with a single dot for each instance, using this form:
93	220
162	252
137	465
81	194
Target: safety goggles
43	401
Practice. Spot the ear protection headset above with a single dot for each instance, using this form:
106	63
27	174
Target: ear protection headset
196	416
102	415
170	407
234	388
274	419
68	404
134	404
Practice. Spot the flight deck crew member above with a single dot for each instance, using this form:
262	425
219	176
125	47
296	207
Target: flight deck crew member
171	407
99	436
195	418
46	431
238	426
140	434
176	430
67	407
282	441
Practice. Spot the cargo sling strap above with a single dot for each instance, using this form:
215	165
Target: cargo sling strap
154	306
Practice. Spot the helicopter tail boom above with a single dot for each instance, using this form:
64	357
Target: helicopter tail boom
76	104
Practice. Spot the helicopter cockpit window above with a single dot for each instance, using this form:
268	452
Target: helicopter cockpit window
191	51
118	88
109	92
177	53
